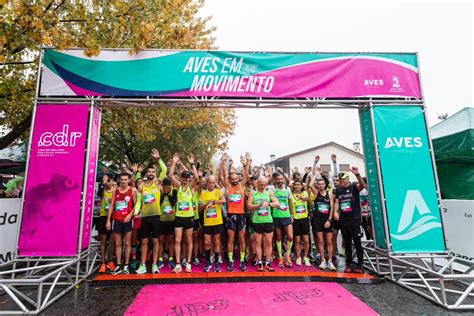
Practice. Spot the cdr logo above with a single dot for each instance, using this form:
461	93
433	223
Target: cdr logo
403	142
60	139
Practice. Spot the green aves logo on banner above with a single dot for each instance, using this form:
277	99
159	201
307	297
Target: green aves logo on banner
406	228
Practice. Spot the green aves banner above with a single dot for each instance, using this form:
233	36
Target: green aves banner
372	178
412	206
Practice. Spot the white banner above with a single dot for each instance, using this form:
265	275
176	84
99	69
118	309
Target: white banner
459	227
9	224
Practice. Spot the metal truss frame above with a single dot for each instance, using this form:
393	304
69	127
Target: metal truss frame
441	284
34	283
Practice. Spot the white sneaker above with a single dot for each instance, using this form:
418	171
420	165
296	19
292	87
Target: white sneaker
331	266
177	269
188	268
298	261
323	265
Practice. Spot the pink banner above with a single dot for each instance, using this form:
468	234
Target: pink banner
52	198
248	298
91	174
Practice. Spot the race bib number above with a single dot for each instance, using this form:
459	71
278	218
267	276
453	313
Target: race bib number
300	209
346	207
106	204
323	208
262	212
283	205
121	205
211	213
235	198
168	210
183	206
149	198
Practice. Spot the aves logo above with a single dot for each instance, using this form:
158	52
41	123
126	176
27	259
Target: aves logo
63	138
403	142
407	227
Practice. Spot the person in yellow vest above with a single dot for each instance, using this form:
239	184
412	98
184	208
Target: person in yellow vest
184	219
210	205
300	222
150	207
103	232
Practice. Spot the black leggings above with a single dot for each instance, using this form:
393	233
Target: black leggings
350	231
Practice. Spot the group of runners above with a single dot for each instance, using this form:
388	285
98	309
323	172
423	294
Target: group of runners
174	213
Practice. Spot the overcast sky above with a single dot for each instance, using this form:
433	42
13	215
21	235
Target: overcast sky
440	31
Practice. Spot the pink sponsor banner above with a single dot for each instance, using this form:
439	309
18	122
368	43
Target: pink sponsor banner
52	199
248	298
91	174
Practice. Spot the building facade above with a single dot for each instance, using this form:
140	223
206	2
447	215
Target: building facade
346	158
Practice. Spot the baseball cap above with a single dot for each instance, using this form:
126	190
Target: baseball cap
343	175
186	174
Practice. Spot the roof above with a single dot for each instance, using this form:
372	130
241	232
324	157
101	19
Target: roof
456	123
344	148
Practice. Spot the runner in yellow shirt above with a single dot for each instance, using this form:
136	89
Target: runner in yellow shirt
210	203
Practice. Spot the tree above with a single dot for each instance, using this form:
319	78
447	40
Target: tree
92	25
201	131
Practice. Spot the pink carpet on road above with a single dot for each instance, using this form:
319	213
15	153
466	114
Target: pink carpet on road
248	298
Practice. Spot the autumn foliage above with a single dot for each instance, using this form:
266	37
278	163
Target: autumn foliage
26	26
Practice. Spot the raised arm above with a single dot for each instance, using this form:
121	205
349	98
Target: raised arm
223	171
360	180
193	170
315	164
175	181
334	165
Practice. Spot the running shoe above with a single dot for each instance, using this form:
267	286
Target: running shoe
358	269
196	261
230	266
134	264
154	268
348	269
323	265
280	263
288	260
268	267
111	266
216	267
307	263
255	261
141	269
171	264
208	267
125	269
177	269
331	266
298	261
243	268
117	270
160	264
260	266
188	268
103	268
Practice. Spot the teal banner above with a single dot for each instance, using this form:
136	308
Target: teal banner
413	211
372	178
